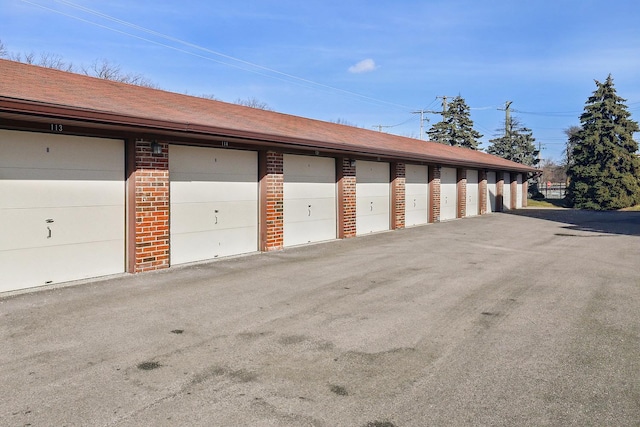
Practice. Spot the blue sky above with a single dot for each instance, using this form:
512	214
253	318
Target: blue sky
369	63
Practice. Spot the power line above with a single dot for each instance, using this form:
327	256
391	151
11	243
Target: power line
298	80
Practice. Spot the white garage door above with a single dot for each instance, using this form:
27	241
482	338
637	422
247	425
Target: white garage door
214	203
472	192
309	199
372	197
416	195
448	194
492	192
506	192
62	213
519	194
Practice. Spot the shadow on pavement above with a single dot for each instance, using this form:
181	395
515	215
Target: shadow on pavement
611	222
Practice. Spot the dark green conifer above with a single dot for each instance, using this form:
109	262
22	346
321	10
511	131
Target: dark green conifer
456	127
517	144
605	169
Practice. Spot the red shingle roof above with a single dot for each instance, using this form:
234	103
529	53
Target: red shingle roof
31	89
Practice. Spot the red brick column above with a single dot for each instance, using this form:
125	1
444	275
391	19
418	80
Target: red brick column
398	192
482	185
525	191
151	207
434	193
273	192
462	192
346	176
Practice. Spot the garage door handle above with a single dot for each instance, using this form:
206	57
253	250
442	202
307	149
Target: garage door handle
371	207
216	216
414	203
309	210
49	235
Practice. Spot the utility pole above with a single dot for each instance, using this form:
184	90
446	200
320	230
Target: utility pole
380	127
422	119
507	119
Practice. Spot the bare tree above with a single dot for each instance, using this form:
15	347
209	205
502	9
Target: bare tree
103	69
344	122
55	61
210	96
253	103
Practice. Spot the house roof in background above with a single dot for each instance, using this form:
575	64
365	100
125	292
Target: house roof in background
33	90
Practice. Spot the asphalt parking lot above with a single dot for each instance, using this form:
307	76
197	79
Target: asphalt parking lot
526	319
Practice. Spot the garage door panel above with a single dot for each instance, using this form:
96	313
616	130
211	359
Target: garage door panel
59	154
472	192
506	191
324	230
189	161
309	199
372	197
492	192
372	172
62	207
304	190
209	244
306	169
303	210
213	202
59	226
448	194
416	194
195	217
207	191
46	193
41	266
373	189
519	190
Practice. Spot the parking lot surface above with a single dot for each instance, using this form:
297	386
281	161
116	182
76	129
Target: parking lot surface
504	320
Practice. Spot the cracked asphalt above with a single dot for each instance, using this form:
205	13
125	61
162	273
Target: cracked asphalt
527	319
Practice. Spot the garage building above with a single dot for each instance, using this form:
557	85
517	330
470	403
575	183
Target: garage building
100	178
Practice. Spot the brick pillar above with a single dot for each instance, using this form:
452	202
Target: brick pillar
482	185
434	193
346	176
272	192
151	207
398	193
499	191
525	192
462	192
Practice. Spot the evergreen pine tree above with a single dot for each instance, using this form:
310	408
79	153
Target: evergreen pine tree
517	144
605	173
456	127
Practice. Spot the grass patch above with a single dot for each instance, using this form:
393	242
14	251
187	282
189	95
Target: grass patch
546	203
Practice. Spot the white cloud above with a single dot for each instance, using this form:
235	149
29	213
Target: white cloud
364	66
